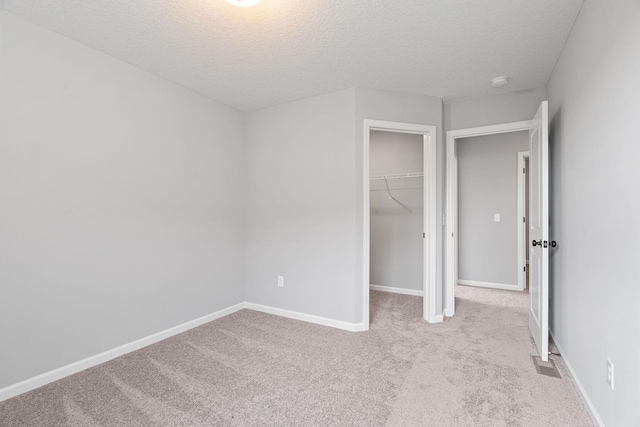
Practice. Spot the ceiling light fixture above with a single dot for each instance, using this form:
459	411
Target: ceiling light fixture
243	3
500	81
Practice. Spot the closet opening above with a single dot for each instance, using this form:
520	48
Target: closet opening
399	214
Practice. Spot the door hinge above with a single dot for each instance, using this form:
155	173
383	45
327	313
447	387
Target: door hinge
444	219
523	170
424	235
524	269
524	219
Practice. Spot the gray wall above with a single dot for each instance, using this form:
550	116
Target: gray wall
510	107
301	206
487	185
594	95
304	197
397	254
120	203
407	108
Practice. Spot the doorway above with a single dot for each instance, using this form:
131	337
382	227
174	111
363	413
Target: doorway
538	130
490	229
429	227
396	200
491	217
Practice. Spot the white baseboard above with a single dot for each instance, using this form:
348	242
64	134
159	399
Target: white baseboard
439	318
72	368
595	417
447	312
404	291
339	324
492	285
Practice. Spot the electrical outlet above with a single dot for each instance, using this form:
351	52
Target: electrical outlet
610	373
281	281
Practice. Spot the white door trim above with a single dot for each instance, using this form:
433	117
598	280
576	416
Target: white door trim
522	234
430	220
451	230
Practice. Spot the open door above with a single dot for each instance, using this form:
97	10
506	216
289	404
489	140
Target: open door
539	230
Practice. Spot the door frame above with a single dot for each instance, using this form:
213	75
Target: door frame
522	230
451	229
429	221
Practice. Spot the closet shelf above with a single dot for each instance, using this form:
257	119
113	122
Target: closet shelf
398	176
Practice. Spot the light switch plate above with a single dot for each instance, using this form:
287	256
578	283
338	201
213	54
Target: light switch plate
496	217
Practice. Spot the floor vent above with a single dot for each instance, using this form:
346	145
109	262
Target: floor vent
545	368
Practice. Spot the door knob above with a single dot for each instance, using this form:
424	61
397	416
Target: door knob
553	243
536	243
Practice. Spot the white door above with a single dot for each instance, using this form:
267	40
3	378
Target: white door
539	230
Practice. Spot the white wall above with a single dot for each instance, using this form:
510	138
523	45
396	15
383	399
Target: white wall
487	185
120	211
397	254
594	95
405	108
301	206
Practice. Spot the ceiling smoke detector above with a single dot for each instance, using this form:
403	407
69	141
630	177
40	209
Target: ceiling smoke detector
500	81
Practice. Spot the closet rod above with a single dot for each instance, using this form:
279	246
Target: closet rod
398	176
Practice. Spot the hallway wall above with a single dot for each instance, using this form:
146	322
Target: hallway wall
487	185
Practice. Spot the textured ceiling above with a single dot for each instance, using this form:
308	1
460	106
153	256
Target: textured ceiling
281	50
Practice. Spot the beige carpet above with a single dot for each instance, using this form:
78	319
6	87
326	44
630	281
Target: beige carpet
254	369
